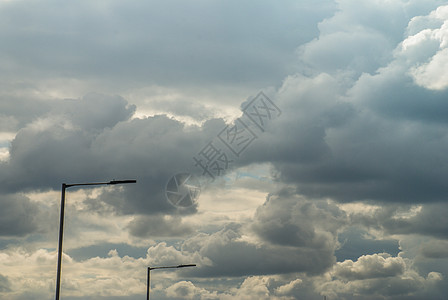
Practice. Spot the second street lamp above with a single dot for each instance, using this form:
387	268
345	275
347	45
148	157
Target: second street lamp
61	223
148	281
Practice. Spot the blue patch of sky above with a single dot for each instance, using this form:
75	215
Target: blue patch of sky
355	243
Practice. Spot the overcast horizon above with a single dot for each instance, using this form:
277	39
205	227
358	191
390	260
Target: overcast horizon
340	192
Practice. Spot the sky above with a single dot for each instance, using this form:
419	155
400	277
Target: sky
340	191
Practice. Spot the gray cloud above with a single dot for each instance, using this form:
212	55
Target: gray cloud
232	256
18	216
288	234
158	226
20	104
364	120
4	284
57	147
361	137
291	221
435	249
96	111
92	140
103	250
138	43
430	220
185	108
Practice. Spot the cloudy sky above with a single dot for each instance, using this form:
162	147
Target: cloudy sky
341	193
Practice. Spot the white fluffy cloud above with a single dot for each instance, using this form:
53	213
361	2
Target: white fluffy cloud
427	48
378	275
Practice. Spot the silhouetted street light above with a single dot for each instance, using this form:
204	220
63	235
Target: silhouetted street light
148	283
61	222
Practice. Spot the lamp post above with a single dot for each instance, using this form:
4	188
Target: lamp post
148	283
61	222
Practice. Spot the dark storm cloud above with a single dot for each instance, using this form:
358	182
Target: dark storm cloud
158	41
374	137
291	221
20	104
92	139
151	150
437	249
291	235
230	255
18	215
394	95
363	122
96	111
57	147
377	137
430	220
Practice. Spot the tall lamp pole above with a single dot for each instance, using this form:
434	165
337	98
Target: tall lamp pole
148	283
61	223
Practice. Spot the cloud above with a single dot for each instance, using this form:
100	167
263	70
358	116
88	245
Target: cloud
4	284
187	290
253	287
371	266
435	249
141	43
8	123
288	234
377	275
18	216
289	287
355	24
356	242
137	49
158	226
430	44
356	137
96	111
103	250
57	147
360	145
427	220
432	75
96	277
292	221
20	103
183	108
39	267
94	140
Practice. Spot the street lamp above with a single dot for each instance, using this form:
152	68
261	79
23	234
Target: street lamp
148	284
61	222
